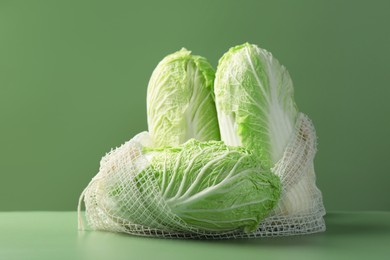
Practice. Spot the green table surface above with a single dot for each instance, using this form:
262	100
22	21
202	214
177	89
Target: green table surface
54	235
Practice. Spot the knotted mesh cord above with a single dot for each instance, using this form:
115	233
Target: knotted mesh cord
299	211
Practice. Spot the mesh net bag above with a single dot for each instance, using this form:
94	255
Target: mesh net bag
299	210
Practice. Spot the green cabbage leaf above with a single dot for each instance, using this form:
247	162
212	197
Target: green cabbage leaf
254	101
204	186
180	102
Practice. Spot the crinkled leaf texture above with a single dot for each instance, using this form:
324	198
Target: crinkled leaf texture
212	186
256	110
180	102
254	100
195	187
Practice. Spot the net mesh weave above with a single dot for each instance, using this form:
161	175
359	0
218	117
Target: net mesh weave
299	211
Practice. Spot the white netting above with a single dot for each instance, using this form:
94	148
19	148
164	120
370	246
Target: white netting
299	211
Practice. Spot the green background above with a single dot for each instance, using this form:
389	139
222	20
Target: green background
73	78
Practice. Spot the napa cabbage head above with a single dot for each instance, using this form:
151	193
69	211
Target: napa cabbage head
254	100
198	186
180	101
